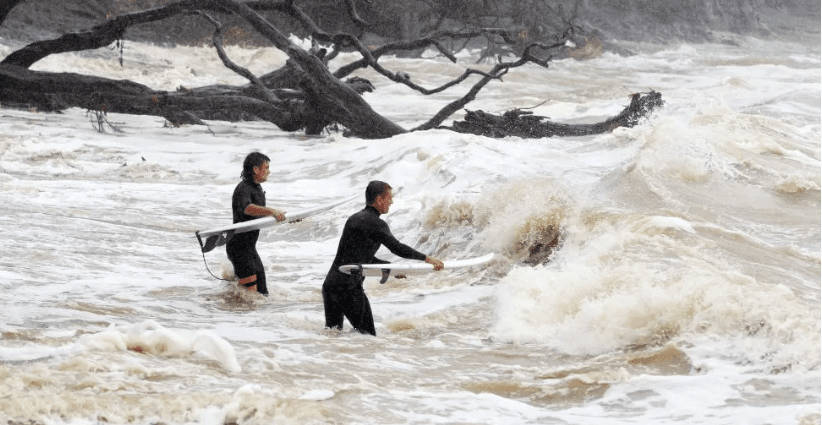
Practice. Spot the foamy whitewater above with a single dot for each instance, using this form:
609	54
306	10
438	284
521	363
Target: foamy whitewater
686	288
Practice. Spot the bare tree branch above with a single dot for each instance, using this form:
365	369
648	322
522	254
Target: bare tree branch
218	44
496	73
431	40
352	12
339	101
6	6
523	124
104	34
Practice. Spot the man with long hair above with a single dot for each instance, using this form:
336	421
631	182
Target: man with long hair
248	203
364	232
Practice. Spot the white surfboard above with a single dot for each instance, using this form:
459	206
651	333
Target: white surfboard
220	235
385	270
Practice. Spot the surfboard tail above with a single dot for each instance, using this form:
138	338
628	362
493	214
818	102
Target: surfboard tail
214	241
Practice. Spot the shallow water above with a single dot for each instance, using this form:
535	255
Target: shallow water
686	288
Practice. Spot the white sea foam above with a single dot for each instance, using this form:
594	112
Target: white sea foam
684	288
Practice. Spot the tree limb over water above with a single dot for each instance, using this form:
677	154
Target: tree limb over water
303	94
522	123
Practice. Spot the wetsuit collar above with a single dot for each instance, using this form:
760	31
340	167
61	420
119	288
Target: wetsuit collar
371	208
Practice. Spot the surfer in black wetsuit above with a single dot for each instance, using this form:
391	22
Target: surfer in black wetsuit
364	232
248	203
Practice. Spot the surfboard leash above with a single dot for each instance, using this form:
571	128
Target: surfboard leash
209	270
203	250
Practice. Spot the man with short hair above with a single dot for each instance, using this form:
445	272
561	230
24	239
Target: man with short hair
364	232
248	203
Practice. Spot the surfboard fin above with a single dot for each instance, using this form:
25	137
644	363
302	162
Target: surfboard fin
386	273
214	241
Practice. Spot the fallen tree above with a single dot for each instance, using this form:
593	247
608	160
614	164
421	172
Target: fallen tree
523	123
304	94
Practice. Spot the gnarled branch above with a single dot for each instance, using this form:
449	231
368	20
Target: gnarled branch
522	123
338	100
497	72
217	40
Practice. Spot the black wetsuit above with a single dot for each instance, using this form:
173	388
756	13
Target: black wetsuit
343	294
241	248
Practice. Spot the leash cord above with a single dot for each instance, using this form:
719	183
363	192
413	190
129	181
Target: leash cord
209	270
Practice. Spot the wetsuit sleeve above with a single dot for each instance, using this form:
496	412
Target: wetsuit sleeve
242	198
384	236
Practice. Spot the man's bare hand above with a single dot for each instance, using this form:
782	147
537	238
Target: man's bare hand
436	263
279	215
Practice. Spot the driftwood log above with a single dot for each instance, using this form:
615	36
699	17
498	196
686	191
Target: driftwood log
523	123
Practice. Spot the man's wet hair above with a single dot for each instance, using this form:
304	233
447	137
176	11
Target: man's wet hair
254	159
374	190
